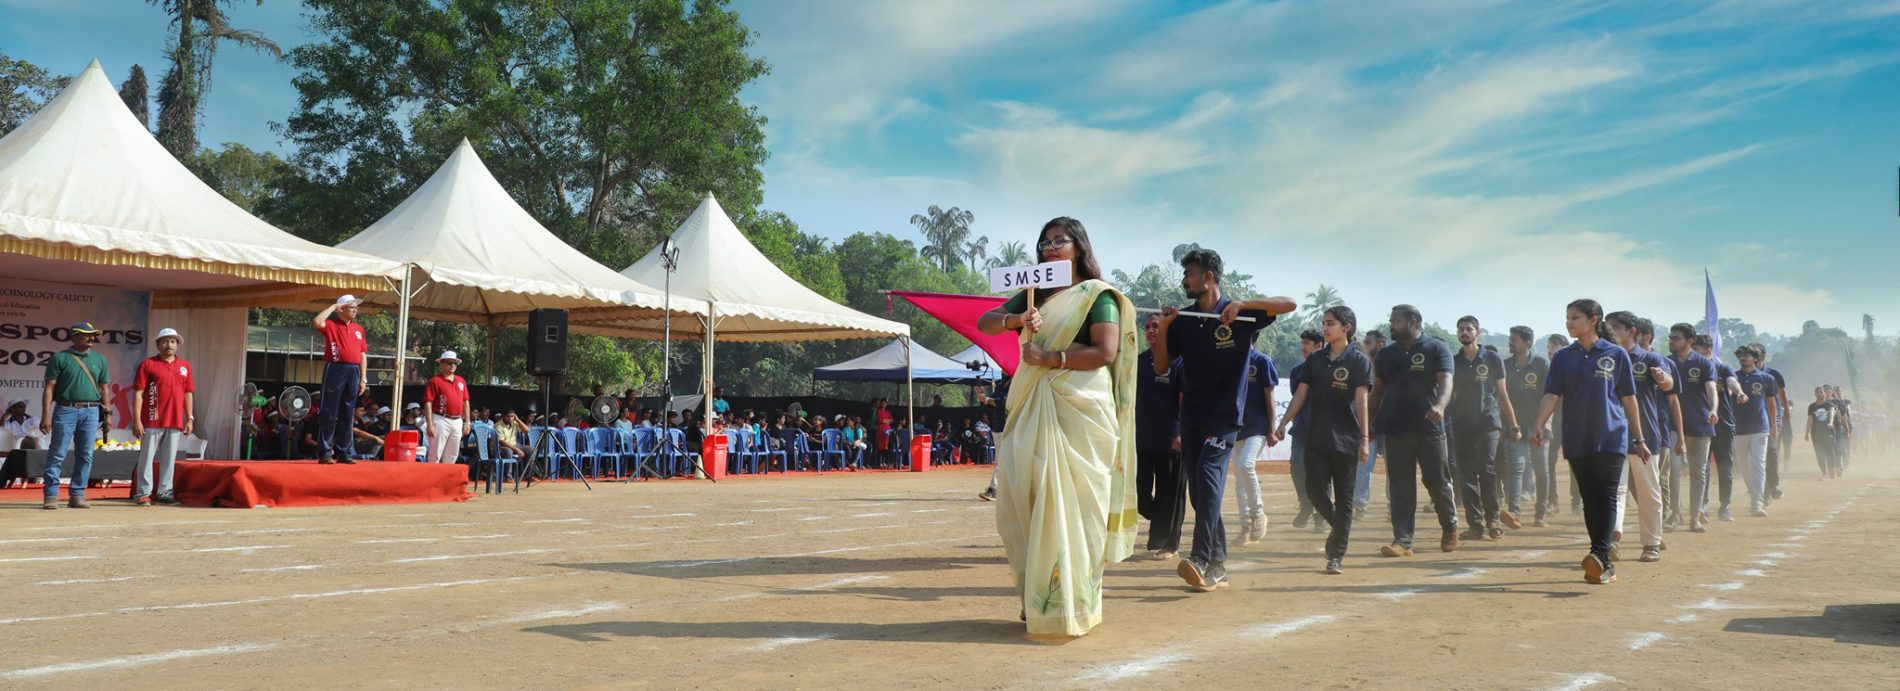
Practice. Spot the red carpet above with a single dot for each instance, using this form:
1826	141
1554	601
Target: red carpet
244	484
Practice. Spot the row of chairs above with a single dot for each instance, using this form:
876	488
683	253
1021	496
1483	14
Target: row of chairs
601	450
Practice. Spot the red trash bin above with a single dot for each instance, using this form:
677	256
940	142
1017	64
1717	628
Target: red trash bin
920	453
712	455
400	445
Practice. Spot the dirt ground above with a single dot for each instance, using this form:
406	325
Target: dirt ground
898	580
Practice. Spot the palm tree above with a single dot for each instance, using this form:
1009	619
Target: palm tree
202	26
1317	302
1010	254
1867	325
977	250
945	231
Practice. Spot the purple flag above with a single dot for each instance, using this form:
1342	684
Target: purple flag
1711	317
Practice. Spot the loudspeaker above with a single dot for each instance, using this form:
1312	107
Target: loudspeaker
547	341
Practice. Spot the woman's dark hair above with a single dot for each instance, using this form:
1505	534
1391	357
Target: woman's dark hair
1085	266
1625	319
1344	315
1591	309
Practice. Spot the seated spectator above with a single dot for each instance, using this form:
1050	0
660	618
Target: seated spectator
510	434
625	422
975	446
368	436
23	430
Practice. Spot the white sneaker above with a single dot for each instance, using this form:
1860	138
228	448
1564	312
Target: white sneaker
1258	530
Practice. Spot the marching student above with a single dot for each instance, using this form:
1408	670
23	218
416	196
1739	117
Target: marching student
1779	448
1411	387
1592	379
1552	344
1477	394
1641	477
161	415
1255	425
1756	425
1374	340
1331	393
1821	431
1722	446
1310	340
1213	356
1698	419
1160	480
1524	378
1669	449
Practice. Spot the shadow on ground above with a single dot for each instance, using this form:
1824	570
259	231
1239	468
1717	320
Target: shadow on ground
781	566
994	631
1859	624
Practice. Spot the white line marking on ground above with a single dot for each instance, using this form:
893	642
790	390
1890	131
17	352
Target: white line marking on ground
1684	619
660	515
559	520
1399	594
392	541
83	581
814	518
294	567
1773	555
496	536
732	524
58	539
867	515
1644	640
1714	605
72	557
263	531
822	552
1587	680
246	549
777	643
269	598
1751	573
1534	554
927	510
1286	627
786	508
1786	545
1735	585
1764	562
446	557
584	610
577	532
1463	573
133	661
1133	668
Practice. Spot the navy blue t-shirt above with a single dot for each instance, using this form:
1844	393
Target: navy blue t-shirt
1649	395
1592	384
1693	372
1261	378
1157	404
1474	390
1752	417
1214	362
1665	411
1411	386
1330	386
1781	384
1726	411
1525	383
1301	421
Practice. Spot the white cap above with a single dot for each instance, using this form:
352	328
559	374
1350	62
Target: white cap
168	331
412	405
383	410
348	300
448	355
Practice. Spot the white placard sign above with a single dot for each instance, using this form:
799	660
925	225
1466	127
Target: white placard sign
1056	274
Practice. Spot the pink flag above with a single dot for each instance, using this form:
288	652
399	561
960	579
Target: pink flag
960	312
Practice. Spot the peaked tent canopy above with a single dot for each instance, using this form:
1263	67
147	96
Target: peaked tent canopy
489	262
977	355
888	364
750	298
87	194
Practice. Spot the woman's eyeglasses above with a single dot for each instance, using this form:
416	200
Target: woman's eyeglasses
1058	243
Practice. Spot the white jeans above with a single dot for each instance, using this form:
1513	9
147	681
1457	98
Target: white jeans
1644	481
1248	488
445	439
162	443
1757	471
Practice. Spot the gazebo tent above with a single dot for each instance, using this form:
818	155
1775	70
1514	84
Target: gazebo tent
88	196
890	364
976	354
746	297
478	257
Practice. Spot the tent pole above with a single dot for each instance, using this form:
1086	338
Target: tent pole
910	396
712	324
402	338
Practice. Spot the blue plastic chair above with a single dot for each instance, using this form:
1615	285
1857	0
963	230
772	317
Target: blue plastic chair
685	457
831	445
900	449
570	440
645	445
783	452
500	462
597	446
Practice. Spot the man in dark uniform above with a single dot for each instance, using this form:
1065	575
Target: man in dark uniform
1524	378
1478	393
1160	480
1410	391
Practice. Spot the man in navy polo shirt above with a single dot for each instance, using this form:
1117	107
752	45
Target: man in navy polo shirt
1477	393
1310	340
1670	449
1213	356
1524	378
1778	449
1411	388
1362	485
1160	481
1255	424
1722	446
1650	373
1756	427
1697	397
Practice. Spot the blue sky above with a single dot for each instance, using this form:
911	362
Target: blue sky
1492	158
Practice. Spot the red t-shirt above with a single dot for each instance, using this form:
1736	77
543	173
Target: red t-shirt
161	388
343	342
448	396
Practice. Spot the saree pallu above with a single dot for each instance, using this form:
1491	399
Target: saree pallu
1065	486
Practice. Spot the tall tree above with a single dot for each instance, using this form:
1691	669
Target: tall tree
1317	302
137	96
1012	253
977	249
945	231
1155	286
24	87
606	119
202	26
1867	326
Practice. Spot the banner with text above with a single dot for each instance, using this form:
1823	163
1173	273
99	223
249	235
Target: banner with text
34	318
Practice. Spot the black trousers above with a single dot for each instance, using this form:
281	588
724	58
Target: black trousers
1476	455
1723	446
1597	476
1161	496
1327	466
1205	449
1407	457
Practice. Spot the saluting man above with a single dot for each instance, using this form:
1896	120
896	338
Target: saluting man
445	406
344	378
161	415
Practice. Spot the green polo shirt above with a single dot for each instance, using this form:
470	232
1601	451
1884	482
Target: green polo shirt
69	384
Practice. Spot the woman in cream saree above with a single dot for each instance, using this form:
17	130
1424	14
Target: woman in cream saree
1066	460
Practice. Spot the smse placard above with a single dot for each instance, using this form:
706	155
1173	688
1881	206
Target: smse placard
1050	275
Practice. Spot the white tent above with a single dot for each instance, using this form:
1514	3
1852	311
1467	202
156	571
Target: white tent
488	262
747	298
977	355
88	196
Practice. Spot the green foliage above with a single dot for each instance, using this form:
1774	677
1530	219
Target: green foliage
1317	302
1012	253
24	87
946	232
250	179
202	27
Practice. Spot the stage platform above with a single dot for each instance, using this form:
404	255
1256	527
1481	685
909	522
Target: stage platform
246	484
